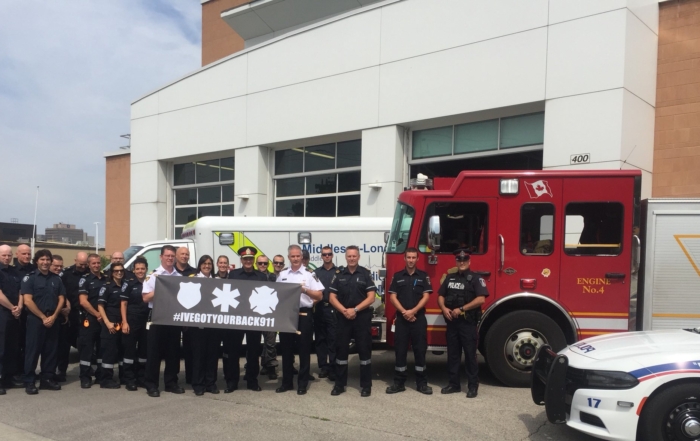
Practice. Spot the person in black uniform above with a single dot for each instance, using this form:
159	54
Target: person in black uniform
68	334
352	293
461	296
182	266
233	338
324	318
409	292
134	335
9	322
44	295
109	307
268	360
205	344
90	321
23	265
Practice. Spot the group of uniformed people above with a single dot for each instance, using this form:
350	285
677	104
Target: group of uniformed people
45	309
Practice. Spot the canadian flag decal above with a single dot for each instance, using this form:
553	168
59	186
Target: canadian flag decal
538	188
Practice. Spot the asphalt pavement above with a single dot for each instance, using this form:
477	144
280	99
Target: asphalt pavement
498	413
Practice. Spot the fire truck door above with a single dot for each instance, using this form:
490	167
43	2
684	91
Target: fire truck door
595	259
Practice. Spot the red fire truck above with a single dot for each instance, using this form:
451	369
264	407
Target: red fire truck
558	250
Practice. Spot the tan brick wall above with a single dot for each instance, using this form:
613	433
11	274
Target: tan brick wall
117	203
677	137
218	39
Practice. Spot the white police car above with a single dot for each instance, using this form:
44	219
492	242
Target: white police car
635	385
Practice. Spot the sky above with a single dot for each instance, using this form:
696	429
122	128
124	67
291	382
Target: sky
69	71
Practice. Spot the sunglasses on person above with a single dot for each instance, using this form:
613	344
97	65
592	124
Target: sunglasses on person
118	271
278	263
326	254
263	263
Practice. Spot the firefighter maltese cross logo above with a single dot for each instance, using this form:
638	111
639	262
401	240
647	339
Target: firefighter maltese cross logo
538	188
189	295
263	300
225	298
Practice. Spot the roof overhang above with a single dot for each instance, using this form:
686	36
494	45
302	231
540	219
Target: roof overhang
262	17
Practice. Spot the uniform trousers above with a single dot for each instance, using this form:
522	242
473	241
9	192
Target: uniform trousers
462	335
67	337
269	350
205	357
187	354
415	333
324	332
10	366
163	343
135	349
360	330
88	340
5	318
110	344
233	343
22	339
303	341
41	341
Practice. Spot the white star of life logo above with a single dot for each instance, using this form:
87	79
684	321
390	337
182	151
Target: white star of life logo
263	300
225	298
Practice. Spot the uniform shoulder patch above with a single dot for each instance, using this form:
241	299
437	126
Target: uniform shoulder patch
25	278
147	277
314	276
427	279
102	291
124	286
82	282
483	283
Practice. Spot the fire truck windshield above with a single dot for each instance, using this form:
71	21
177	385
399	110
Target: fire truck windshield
400	228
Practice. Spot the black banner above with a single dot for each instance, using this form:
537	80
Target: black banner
226	303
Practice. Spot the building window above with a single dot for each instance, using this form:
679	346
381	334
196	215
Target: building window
318	181
202	188
483	136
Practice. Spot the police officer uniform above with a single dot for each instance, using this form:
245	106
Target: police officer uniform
23	270
309	281
134	343
409	290
11	280
47	292
325	324
351	289
90	285
163	343
233	338
68	332
459	289
110	299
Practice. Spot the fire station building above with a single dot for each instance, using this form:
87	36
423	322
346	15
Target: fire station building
329	107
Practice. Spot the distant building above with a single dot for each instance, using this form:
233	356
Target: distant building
12	232
65	233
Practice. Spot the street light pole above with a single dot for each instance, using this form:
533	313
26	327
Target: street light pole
36	207
97	238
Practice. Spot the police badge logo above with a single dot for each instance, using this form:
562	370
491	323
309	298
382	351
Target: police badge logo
102	291
124	286
189	295
483	283
25	278
81	283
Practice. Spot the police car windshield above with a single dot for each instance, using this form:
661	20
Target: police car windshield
400	228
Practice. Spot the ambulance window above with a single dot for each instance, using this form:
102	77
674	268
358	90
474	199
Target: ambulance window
462	225
152	256
537	229
593	229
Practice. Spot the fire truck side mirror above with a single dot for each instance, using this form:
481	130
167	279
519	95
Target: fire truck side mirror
434	233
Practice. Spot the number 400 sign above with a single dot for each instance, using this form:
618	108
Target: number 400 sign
581	158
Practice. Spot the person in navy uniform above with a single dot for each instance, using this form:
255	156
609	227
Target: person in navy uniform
109	307
134	335
44	295
9	322
233	338
324	318
90	321
409	292
206	343
461	295
23	265
68	335
268	360
352	294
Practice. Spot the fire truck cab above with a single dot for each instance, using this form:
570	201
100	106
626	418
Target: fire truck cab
558	251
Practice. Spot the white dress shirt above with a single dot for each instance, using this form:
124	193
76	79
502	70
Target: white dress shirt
303	277
149	285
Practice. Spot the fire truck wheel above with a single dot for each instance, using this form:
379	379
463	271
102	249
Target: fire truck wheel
512	342
673	414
